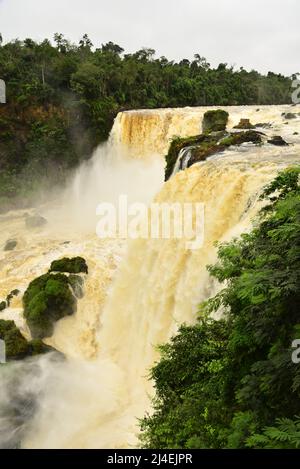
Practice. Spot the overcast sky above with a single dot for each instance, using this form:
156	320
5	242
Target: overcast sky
260	34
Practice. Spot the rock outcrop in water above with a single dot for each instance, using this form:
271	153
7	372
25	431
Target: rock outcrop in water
205	145
47	299
74	265
53	296
278	141
10	245
215	121
244	124
16	346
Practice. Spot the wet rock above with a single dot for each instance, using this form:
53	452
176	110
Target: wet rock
289	115
10	245
244	124
215	121
35	221
74	265
10	296
278	141
16	346
2	305
47	299
263	125
296	133
212	147
205	145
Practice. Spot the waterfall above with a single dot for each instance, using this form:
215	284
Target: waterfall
183	159
139	293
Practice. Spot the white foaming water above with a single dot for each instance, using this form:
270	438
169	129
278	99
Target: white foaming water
92	399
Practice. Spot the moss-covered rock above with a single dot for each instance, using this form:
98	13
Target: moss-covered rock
10	296
47	299
2	305
37	347
215	121
10	245
205	145
238	138
74	265
176	145
16	346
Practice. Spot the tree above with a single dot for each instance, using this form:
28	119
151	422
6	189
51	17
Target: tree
85	42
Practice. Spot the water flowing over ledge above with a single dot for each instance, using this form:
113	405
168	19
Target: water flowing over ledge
137	294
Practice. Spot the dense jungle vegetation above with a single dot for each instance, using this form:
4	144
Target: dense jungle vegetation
62	99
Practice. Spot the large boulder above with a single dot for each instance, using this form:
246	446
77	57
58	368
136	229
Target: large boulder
244	124
47	299
289	115
10	244
215	121
74	265
16	346
278	141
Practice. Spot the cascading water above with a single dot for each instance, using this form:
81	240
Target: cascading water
136	295
182	160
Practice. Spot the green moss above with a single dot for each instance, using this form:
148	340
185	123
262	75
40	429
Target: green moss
242	137
214	121
73	265
206	145
16	345
176	145
37	347
47	299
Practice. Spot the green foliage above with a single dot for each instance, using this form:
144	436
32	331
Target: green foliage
47	299
62	99
285	434
73	265
227	392
15	344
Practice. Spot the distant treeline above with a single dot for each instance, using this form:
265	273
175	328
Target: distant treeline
62	99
